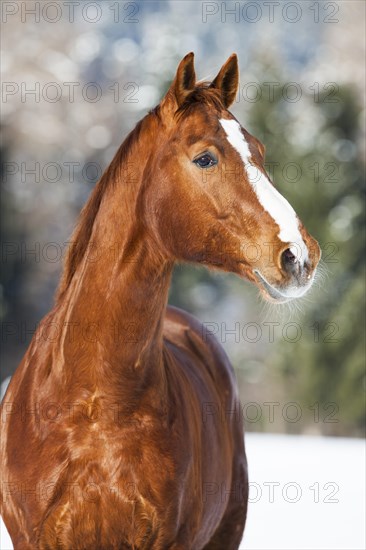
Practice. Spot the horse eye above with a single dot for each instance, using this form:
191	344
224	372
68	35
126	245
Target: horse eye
205	161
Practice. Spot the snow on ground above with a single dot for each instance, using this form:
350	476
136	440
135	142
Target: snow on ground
5	540
306	493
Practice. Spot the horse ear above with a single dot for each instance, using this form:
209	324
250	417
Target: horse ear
227	81
185	79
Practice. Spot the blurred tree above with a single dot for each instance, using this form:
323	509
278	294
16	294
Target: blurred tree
321	172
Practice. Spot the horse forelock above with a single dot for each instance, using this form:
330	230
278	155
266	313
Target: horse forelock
202	95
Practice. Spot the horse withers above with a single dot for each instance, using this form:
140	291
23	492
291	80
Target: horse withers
123	430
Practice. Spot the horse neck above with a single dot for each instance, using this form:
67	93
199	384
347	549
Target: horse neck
112	313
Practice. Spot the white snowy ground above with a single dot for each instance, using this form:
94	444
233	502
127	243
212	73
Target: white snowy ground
306	493
325	479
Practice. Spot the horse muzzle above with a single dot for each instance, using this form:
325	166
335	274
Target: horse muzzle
281	295
298	276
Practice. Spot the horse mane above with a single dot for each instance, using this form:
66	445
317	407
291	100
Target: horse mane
82	233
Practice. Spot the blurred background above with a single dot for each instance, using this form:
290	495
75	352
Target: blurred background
77	76
75	80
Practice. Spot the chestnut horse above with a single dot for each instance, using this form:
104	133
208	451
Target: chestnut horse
121	427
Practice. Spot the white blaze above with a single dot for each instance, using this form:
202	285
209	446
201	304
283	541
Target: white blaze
272	201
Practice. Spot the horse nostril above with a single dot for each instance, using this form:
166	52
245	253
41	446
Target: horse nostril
288	258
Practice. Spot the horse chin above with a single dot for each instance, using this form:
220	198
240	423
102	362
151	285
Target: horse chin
279	296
